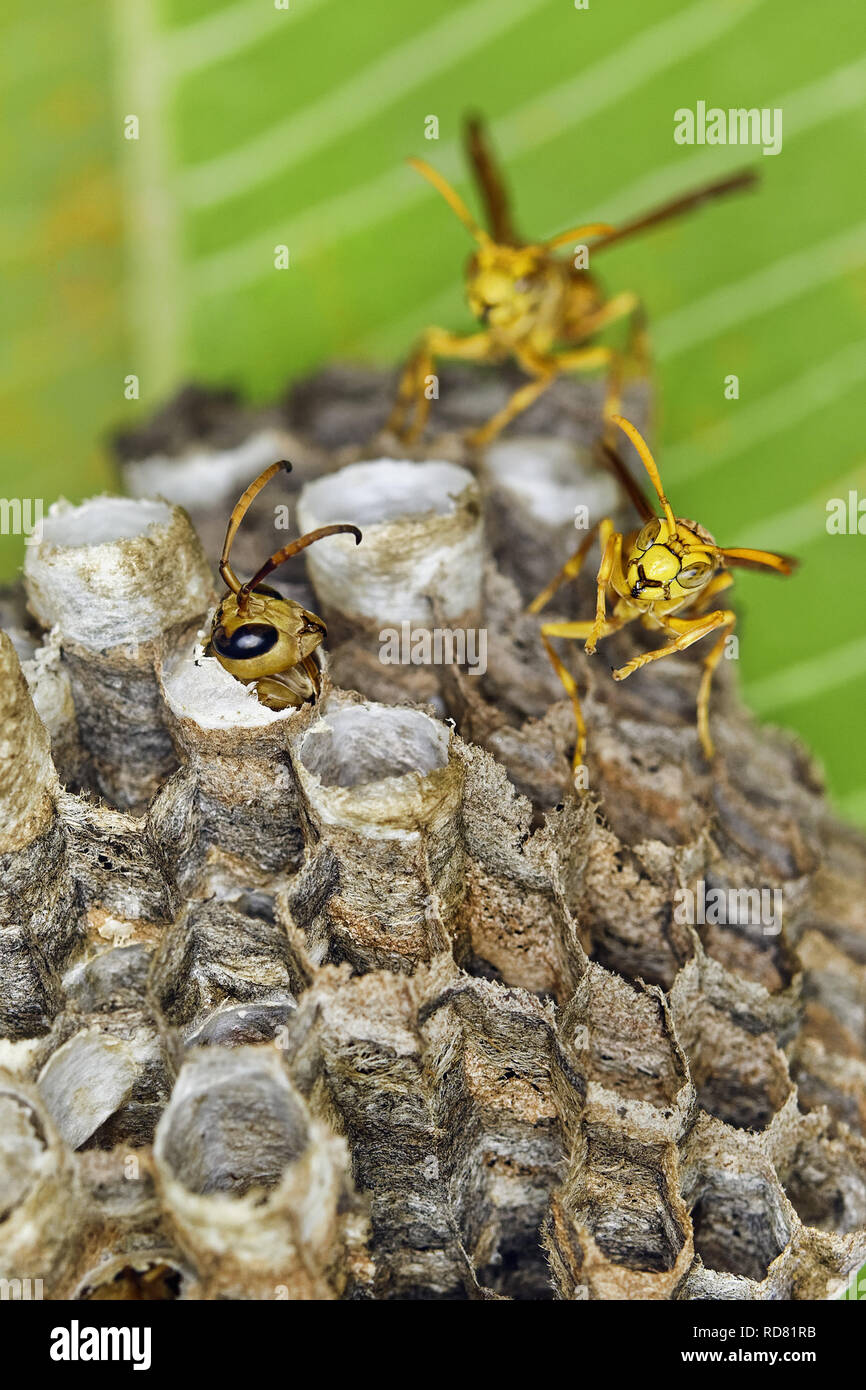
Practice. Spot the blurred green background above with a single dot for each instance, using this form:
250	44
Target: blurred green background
262	125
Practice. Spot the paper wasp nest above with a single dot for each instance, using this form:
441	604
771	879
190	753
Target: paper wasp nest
362	1000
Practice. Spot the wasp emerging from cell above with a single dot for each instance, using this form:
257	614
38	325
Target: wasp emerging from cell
669	574
260	637
541	311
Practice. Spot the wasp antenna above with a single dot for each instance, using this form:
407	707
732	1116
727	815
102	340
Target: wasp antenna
294	548
748	559
649	464
584	230
240	510
453	199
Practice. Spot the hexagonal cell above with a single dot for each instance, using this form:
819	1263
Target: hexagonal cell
629	1050
739	1225
825	1180
740	1077
359	745
626	1207
231	1129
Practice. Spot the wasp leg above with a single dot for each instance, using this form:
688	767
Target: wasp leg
292	688
710	664
717	584
611	542
576	630
689	631
545	370
522	399
411	393
622	306
570	570
275	695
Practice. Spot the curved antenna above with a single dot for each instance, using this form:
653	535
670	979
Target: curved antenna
748	559
582	230
294	548
239	511
454	201
649	464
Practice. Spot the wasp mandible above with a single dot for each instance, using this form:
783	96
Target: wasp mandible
668	574
260	637
538	309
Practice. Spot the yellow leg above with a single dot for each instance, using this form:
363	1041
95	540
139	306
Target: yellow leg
576	630
622	306
546	370
721	581
570	569
710	664
583	359
411	393
626	305
611	542
522	399
688	630
571	690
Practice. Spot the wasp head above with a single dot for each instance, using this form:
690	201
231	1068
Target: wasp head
665	563
263	634
507	285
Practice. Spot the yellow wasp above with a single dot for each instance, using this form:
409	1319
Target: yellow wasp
668	574
535	308
261	638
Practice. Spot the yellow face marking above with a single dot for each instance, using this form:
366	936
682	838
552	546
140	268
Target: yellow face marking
665	563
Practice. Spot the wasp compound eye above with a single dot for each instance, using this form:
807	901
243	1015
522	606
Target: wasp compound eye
693	575
245	643
649	534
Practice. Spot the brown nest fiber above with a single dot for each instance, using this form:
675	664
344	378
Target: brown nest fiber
364	1001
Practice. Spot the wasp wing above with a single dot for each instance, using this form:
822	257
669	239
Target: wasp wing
734	183
490	182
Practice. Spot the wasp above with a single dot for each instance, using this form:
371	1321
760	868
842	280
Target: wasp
669	574
260	637
540	310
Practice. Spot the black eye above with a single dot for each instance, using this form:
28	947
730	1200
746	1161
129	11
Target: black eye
649	534
245	643
267	590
